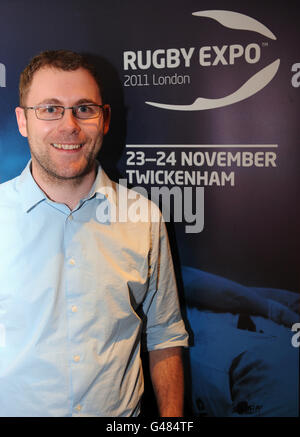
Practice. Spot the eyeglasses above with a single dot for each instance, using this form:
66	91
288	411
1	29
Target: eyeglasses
56	112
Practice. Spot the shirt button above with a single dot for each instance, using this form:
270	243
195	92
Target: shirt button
74	309
70	217
78	407
76	358
72	262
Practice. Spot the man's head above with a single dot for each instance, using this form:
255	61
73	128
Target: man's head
63	148
64	60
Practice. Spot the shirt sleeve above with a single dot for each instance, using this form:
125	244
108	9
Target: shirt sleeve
164	325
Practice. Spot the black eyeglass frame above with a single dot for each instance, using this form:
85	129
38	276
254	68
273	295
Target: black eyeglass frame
64	108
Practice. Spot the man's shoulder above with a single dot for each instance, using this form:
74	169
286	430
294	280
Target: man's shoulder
9	192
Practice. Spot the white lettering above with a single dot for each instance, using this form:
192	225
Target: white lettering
220	57
256	49
235	51
203	55
140	60
155	61
129	59
187	56
2	76
296	77
127	427
138	210
175	79
296	337
164	193
227	159
173	58
198	217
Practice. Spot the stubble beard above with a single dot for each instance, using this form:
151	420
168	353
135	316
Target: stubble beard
49	173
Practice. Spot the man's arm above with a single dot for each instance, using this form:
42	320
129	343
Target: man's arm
166	372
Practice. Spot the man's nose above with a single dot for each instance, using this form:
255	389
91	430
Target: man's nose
69	121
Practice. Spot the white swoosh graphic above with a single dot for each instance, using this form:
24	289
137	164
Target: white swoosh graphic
252	86
235	20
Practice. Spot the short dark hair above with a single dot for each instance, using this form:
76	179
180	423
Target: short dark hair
61	59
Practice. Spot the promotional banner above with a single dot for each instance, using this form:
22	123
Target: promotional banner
204	98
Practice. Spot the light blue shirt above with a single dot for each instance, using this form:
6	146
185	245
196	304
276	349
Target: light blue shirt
74	296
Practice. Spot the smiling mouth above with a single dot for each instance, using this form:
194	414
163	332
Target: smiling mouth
67	146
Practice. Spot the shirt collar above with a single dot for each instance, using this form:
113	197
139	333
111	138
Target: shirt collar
32	195
30	192
103	186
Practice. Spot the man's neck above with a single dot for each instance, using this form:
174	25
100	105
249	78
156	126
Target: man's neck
66	191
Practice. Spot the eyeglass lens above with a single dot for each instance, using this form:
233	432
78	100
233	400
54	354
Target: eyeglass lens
56	112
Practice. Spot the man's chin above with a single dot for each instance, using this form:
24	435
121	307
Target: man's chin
75	175
65	175
59	172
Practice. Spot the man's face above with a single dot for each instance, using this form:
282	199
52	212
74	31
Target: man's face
46	138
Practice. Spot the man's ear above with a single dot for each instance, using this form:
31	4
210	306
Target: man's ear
107	116
22	121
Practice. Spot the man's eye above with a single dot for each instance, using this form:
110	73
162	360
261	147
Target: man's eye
83	108
49	110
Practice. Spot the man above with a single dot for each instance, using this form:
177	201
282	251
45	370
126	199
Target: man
77	292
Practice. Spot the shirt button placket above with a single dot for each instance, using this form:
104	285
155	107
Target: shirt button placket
71	262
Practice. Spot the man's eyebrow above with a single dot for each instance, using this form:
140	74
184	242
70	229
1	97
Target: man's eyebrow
54	101
79	102
51	101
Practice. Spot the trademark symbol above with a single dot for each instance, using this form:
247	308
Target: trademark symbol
265	44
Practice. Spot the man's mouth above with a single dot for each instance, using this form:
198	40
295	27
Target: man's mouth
67	146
